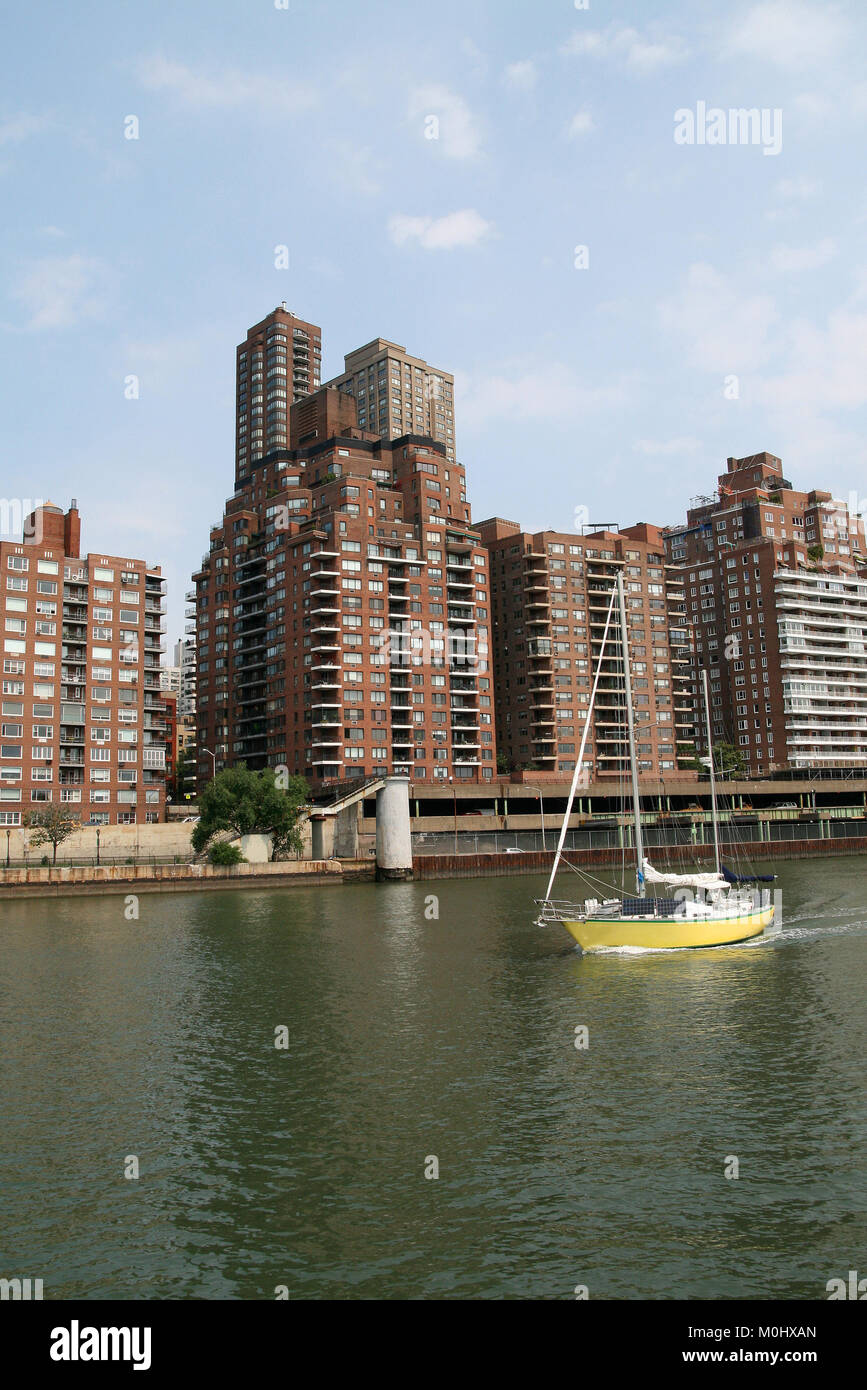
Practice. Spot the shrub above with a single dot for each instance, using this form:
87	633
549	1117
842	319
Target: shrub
223	853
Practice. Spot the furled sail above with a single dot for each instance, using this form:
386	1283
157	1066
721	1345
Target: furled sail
694	880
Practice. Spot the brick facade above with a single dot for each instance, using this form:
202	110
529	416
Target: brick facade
550	596
343	610
82	714
776	600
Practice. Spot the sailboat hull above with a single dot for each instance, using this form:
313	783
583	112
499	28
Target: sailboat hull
601	934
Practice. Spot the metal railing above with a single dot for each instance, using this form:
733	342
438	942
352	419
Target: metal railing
655	837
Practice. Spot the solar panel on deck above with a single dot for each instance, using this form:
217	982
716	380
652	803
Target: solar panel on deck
650	907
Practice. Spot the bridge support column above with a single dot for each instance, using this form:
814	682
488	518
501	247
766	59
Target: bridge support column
322	837
393	834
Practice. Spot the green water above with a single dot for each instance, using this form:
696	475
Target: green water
410	1038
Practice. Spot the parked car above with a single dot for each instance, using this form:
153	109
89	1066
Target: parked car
784	806
514	851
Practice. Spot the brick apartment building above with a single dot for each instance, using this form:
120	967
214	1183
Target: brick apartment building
776	598
82	714
279	362
399	394
550	593
343	609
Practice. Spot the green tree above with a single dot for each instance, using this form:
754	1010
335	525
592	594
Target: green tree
727	760
252	803
503	765
51	826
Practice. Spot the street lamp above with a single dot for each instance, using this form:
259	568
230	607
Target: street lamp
8	838
213	758
97	844
541	811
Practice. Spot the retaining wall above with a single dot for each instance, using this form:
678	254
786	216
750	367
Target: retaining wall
111	878
426	866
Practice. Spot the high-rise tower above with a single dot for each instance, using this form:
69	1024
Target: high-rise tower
398	394
279	362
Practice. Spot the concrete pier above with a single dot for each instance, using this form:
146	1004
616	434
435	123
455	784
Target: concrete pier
393	835
321	837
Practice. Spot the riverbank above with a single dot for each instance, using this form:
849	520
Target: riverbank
167	878
303	873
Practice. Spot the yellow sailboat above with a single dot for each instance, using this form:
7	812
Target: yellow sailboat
705	909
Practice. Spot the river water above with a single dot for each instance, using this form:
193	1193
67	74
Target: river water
413	1038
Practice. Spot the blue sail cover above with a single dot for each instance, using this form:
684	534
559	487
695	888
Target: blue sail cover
746	878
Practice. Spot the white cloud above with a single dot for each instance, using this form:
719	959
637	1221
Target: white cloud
459	135
228	89
620	42
543	393
801	379
683	444
19	128
795	258
581	124
455	229
721	329
791	33
826	368
60	291
799	188
521	76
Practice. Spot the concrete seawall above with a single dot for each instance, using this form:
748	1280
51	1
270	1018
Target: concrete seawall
302	873
428	866
167	878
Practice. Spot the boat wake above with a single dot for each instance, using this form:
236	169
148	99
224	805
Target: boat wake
805	928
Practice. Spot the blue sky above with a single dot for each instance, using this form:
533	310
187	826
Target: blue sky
602	388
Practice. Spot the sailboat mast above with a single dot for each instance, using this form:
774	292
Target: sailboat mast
712	773
579	761
630	719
